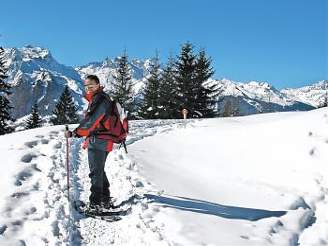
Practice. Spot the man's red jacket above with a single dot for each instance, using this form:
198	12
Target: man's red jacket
97	113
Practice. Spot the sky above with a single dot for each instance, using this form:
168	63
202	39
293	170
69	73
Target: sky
283	42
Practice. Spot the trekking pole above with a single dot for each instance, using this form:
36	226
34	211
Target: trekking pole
67	163
70	220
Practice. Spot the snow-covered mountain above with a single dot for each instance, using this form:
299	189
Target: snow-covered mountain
107	68
313	94
255	97
38	77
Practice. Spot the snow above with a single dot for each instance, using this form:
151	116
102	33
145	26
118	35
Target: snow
313	94
255	90
228	168
253	180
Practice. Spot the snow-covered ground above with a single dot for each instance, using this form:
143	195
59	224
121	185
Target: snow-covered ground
254	180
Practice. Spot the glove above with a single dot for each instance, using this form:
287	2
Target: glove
72	134
68	134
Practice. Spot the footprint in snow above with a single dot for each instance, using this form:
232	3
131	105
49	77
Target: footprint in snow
35	167
23	176
44	141
156	209
17	224
55	228
36	186
22	243
3	228
276	227
139	184
299	203
27	158
244	237
31	144
30	211
58	145
19	194
312	151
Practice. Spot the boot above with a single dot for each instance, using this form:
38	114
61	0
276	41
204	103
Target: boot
107	203
93	208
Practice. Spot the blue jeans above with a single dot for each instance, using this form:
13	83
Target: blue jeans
99	182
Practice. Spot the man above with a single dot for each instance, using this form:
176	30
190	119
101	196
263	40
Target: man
92	127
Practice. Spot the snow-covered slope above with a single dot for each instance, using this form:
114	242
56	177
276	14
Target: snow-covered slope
257	180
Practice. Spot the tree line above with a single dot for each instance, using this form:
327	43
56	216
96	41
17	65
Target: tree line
177	85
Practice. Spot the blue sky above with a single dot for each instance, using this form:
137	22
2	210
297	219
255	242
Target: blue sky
283	42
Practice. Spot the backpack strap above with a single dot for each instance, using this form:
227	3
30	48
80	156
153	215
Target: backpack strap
126	151
98	99
112	109
124	145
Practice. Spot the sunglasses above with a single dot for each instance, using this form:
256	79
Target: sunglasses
90	85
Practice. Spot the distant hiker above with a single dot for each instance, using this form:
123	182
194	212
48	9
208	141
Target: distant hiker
102	127
184	113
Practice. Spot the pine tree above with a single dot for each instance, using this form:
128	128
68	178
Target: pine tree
235	107
65	111
122	85
205	96
5	91
151	102
34	119
185	79
168	106
227	109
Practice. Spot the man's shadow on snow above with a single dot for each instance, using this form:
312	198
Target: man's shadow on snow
204	207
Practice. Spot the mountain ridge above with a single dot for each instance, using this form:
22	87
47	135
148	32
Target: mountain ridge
36	76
